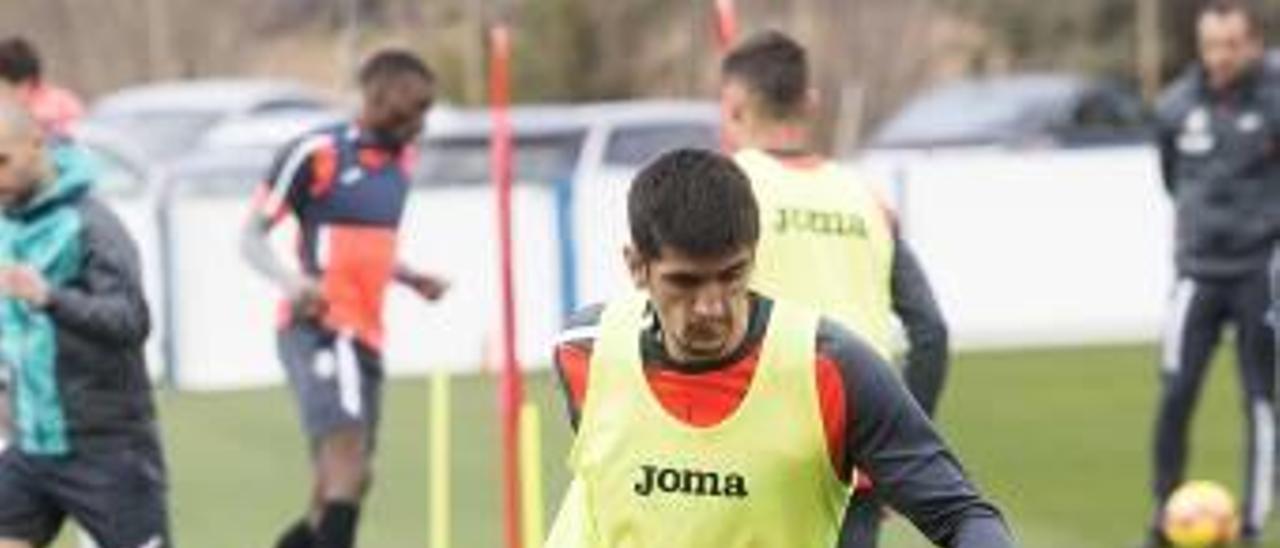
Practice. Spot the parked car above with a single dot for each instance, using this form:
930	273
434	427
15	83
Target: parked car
455	148
268	130
171	119
571	142
1008	186
587	153
1041	110
236	155
123	170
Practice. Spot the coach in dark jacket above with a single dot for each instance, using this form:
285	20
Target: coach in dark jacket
1219	135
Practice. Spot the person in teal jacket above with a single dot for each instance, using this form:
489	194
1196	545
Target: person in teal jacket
73	322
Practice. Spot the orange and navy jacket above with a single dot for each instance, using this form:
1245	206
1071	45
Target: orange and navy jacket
870	420
347	192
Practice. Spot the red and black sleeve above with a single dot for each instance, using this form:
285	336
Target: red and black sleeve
573	356
292	174
889	438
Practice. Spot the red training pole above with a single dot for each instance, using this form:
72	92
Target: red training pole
510	392
726	24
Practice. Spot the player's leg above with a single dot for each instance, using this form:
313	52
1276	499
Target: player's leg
301	534
862	519
304	351
346	455
338	385
119	495
29	518
298	535
1193	330
344	464
1273	321
1256	354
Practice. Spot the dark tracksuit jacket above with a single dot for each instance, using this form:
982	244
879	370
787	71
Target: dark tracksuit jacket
1220	154
78	379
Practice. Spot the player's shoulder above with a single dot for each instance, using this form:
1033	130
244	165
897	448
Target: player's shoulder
847	350
102	230
861	179
582	328
306	145
847	170
572	355
97	216
747	156
1179	97
873	387
1267	85
62	98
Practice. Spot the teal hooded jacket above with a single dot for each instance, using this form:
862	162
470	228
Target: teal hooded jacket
78	376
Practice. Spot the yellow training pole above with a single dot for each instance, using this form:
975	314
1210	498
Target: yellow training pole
440	506
531	471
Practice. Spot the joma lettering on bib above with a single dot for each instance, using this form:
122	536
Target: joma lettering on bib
682	481
825	223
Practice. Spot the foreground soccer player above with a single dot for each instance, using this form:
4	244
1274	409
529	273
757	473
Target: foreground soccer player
708	415
74	321
347	187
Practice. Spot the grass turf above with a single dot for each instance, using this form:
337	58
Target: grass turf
1058	437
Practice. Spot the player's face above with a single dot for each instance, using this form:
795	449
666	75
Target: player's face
701	303
394	108
21	157
1227	47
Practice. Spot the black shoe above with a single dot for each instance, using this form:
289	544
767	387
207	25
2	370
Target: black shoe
1154	540
1249	537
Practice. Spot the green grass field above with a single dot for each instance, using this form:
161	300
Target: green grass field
1059	438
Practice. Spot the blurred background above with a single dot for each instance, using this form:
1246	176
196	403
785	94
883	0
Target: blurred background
1012	136
877	52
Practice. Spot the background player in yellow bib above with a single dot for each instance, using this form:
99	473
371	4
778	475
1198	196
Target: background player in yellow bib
710	415
826	239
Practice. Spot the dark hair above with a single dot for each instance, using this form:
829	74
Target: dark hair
18	61
696	201
1228	7
774	68
394	63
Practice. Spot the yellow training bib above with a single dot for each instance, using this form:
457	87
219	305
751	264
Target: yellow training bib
825	242
645	479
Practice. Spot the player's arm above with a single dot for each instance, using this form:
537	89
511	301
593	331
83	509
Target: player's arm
1171	107
572	357
1167	148
913	470
430	286
928	352
106	302
285	188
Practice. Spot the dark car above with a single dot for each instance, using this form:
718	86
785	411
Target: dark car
1025	110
